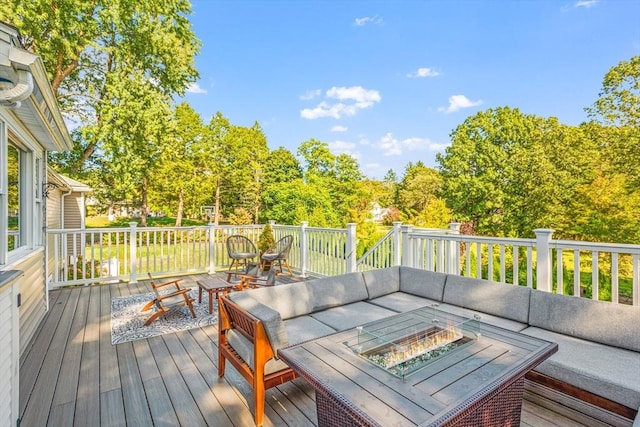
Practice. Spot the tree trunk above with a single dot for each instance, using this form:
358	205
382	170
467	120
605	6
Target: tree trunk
180	208
143	205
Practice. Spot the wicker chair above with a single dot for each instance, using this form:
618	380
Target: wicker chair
241	250
279	253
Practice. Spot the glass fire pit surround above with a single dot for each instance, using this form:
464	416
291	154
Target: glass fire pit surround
406	343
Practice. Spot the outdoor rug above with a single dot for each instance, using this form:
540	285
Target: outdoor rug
127	321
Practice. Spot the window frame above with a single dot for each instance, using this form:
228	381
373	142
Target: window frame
32	172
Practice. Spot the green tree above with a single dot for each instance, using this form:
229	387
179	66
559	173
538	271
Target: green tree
296	201
176	183
85	44
419	185
508	173
280	166
618	110
134	134
618	103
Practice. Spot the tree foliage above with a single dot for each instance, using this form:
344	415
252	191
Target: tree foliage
618	103
89	46
508	173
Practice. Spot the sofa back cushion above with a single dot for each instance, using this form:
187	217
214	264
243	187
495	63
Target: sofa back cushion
422	283
382	281
290	300
499	299
599	321
333	291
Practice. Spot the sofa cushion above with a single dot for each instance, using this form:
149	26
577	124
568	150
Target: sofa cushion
600	321
610	372
423	283
244	348
333	291
382	281
305	328
401	302
491	319
270	318
499	299
351	315
290	300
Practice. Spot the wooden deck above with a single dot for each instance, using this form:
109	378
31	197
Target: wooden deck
73	375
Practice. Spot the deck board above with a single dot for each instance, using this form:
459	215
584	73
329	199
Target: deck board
72	372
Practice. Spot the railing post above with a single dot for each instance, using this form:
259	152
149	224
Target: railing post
543	259
352	245
133	277
407	248
304	248
212	248
453	253
397	243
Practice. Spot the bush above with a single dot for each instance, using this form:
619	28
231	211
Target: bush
266	239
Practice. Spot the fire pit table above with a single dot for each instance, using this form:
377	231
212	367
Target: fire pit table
424	367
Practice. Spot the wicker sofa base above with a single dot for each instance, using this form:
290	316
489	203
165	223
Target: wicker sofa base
498	409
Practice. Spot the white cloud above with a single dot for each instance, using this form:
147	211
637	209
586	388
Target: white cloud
356	93
585	3
361	98
424	72
195	88
310	94
339	128
457	102
344	147
360	22
392	146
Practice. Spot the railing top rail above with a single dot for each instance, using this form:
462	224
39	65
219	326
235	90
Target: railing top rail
330	230
478	239
596	246
124	229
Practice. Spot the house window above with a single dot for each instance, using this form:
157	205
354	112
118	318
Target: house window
15	226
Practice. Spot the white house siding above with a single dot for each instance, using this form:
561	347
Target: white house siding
9	352
73	219
33	294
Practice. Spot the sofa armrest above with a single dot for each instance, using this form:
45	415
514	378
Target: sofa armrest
246	308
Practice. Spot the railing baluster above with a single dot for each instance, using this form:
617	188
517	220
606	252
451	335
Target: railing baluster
529	267
614	277
516	265
576	274
559	272
595	276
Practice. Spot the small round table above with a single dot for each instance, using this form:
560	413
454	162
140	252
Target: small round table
211	285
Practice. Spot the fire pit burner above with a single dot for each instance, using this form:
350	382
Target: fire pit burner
405	346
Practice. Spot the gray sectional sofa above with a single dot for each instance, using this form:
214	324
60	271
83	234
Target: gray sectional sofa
599	342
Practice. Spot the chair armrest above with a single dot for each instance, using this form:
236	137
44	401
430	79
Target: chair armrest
173	294
169	283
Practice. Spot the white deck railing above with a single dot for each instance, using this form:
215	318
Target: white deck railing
542	263
568	267
104	255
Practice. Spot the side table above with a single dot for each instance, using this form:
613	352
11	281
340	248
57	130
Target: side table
211	285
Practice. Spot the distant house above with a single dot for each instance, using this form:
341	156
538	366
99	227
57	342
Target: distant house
30	126
377	212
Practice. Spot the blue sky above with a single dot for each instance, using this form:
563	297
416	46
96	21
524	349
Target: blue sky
387	81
